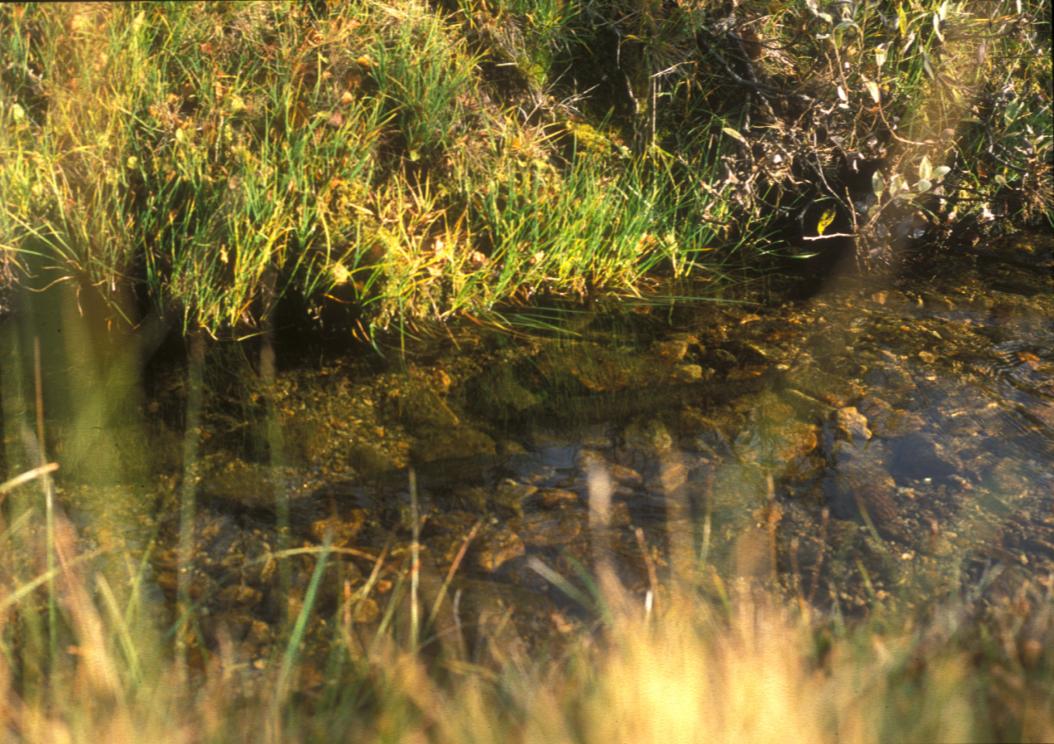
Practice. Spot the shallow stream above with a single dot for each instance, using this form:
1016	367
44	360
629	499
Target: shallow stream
889	440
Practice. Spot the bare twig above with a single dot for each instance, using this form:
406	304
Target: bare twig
828	236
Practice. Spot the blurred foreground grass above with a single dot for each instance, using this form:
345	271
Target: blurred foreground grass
697	660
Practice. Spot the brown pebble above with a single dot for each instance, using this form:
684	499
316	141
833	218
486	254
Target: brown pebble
554	497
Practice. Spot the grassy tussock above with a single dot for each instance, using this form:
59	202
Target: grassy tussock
186	151
418	160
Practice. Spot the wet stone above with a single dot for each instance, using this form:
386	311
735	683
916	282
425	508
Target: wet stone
240	595
1010	478
674	348
624	474
860	486
511	495
688	373
671	475
497	548
803	469
647	436
776	437
500	393
816	383
417	405
892	378
597	440
587	459
547	529
368	459
552	498
851	424
737	487
473	498
340	530
450	443
618	515
232	481
595	368
444	534
886	421
510	447
1043	411
920	456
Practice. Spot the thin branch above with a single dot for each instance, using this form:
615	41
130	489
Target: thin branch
830	235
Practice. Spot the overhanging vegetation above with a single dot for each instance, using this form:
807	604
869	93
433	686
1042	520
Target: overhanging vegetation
415	160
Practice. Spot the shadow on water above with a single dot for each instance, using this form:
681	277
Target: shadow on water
883	442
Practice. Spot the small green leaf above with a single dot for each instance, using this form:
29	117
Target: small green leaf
940	172
923	186
878	184
902	20
825	221
897	185
925	169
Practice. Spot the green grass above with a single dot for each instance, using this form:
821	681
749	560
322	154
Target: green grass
421	161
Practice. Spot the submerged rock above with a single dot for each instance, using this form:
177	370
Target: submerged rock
593	368
497	548
775	437
417	405
852	424
341	530
454	442
369	459
886	421
920	456
501	393
552	498
511	495
674	348
647	435
819	384
548	529
861	487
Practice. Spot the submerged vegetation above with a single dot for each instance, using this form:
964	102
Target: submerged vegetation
407	161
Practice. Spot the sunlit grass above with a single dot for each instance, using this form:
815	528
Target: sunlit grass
418	163
681	666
